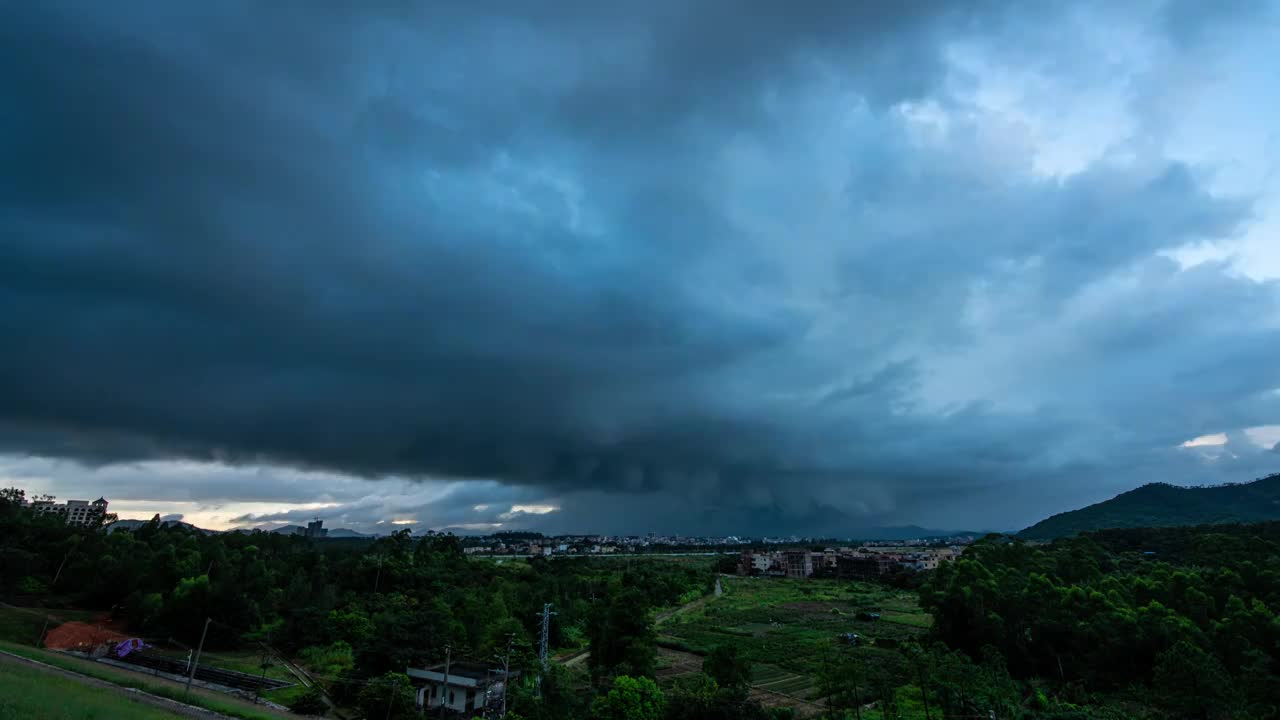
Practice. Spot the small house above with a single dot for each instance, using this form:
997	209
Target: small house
463	687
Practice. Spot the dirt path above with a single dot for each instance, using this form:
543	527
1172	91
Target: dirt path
576	659
666	615
658	619
173	706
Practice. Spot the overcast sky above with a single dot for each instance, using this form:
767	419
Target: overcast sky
712	266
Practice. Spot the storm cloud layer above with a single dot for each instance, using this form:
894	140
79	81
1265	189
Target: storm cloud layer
701	265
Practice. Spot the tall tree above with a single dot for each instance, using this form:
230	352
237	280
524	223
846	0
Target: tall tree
630	698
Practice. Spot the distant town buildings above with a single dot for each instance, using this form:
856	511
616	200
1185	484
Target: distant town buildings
75	512
844	562
315	529
918	554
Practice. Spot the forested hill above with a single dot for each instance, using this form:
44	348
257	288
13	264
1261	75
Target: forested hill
1164	505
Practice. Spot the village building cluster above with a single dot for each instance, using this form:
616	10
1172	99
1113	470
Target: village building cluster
593	544
842	562
922	552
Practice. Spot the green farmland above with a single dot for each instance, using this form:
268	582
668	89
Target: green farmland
788	629
791	623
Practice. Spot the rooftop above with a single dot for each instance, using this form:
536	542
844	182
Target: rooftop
464	674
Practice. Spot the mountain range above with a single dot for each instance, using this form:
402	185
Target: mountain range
910	532
135	524
1164	505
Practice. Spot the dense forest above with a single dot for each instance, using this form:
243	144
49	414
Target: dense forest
1130	623
1171	622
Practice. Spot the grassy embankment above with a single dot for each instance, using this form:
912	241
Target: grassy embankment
20	629
27	692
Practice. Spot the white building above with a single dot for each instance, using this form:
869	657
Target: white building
75	512
468	687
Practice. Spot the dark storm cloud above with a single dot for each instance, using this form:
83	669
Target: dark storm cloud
689	250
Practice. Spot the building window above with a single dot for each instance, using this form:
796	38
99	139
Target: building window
450	697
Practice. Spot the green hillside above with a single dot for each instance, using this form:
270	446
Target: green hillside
1164	505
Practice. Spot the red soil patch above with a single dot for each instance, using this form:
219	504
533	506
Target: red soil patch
80	636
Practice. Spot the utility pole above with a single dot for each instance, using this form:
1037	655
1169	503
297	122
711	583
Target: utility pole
506	673
196	664
60	566
542	647
444	692
43	630
266	663
391	698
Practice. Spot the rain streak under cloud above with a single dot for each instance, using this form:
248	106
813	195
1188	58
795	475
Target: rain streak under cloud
686	267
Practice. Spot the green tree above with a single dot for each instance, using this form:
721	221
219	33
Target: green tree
310	703
630	698
728	668
693	697
561	696
1261	685
1191	682
389	695
621	635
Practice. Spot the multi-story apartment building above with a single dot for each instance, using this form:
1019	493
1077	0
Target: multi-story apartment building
75	512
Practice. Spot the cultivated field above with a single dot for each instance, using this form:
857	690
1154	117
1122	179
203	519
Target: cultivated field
786	629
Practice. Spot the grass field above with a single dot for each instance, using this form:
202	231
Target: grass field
790	623
218	702
27	692
919	620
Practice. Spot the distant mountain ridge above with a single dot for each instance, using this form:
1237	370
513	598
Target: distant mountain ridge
300	530
1165	505
135	524
910	532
